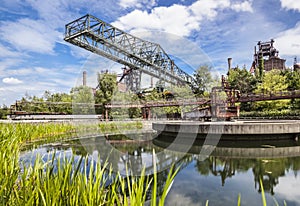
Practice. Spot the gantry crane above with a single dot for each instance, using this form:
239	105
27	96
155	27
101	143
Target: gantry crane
139	55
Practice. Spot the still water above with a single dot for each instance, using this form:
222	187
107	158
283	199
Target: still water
232	168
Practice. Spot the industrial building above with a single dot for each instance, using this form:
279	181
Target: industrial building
296	65
266	52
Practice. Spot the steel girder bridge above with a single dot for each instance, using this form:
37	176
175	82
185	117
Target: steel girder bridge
140	56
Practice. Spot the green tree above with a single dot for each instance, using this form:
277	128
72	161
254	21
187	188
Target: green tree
242	80
4	111
155	96
293	80
273	81
107	85
59	102
202	80
83	100
128	98
32	104
245	82
181	93
261	68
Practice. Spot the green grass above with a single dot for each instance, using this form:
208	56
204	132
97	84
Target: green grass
110	127
30	132
283	114
52	131
97	128
64	181
61	180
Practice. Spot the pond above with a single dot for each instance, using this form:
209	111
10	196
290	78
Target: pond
231	168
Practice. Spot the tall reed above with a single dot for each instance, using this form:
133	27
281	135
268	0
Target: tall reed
63	180
9	169
29	132
70	181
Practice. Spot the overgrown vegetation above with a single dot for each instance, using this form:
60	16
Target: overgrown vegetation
266	83
29	132
283	114
82	99
53	131
62	180
241	79
4	111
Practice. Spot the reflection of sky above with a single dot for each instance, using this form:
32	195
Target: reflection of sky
193	188
288	188
45	153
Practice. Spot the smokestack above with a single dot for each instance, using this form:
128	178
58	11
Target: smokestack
84	78
229	63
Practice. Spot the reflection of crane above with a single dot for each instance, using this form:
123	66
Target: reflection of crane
139	55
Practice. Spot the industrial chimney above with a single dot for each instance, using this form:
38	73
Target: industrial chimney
229	63
84	78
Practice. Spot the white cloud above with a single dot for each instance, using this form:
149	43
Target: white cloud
286	188
11	80
187	54
57	13
208	9
79	52
137	3
7	52
290	4
244	6
177	19
20	71
29	35
7	63
42	70
288	42
128	3
40	79
180	199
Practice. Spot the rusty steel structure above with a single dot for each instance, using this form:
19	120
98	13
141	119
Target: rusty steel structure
217	106
223	101
139	55
266	52
270	96
296	66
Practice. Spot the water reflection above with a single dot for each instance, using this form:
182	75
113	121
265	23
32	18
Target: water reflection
232	167
265	160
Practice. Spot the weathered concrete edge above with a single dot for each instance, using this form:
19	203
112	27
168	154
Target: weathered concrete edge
288	127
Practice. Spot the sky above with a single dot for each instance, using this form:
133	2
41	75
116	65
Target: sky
35	58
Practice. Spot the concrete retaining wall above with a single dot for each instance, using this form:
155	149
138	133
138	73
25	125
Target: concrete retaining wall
231	128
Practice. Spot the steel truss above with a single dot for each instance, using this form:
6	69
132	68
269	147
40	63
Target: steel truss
106	40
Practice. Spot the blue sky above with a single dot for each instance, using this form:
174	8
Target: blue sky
34	57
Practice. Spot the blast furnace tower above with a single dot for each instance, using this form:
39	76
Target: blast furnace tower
266	52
